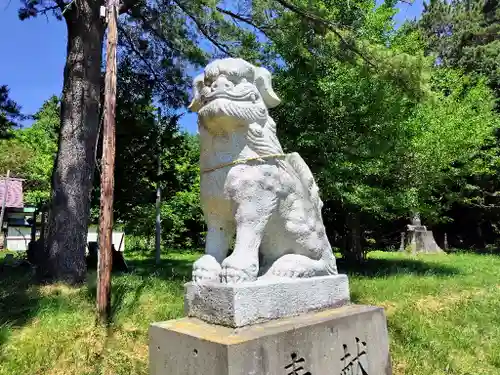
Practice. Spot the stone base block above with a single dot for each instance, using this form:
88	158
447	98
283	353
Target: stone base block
238	305
351	339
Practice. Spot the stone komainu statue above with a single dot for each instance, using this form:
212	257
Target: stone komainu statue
251	192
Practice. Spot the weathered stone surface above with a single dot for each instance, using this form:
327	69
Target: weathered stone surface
237	305
419	239
422	241
251	190
347	340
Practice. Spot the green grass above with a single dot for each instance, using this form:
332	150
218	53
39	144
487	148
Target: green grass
443	313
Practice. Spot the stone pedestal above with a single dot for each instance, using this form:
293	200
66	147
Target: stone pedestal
348	340
238	305
420	240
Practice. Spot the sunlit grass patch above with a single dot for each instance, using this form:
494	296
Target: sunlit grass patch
443	314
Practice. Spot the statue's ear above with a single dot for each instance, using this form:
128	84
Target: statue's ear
198	83
263	83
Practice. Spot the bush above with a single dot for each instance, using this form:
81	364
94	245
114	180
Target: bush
182	223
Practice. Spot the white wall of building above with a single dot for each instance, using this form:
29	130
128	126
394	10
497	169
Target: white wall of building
118	238
18	238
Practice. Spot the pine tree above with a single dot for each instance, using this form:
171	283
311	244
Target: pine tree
10	112
465	34
163	38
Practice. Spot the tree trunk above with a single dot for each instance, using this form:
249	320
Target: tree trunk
73	173
354	251
158	224
158	194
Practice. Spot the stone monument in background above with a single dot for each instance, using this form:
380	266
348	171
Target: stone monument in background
419	239
266	298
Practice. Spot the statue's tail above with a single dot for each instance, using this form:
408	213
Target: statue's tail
306	178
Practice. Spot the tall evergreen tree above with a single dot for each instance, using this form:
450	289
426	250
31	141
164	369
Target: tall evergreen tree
465	34
164	37
10	112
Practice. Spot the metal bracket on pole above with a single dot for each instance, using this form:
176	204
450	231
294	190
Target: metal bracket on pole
102	12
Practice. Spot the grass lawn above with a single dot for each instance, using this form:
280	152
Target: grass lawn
443	311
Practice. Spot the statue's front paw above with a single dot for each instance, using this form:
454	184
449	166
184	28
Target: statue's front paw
293	266
238	270
206	269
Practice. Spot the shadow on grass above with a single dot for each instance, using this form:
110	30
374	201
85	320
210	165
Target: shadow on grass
121	293
129	286
168	269
180	269
18	301
373	268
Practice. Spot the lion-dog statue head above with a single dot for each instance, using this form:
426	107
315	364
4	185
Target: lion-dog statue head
234	88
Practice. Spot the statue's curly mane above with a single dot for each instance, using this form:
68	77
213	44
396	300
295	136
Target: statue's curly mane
264	141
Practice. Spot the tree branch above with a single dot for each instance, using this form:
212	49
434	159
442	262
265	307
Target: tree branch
126	5
332	27
7	5
485	206
48	9
60	3
144	60
495	194
147	24
203	30
242	19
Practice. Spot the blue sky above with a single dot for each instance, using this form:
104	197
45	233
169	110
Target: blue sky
34	51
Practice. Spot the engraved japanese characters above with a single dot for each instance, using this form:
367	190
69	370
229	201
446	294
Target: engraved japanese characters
266	201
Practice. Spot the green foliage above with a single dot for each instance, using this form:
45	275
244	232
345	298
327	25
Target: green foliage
143	134
343	116
449	133
42	139
465	34
169	40
137	140
383	129
183	225
182	222
390	121
10	112
30	152
13	156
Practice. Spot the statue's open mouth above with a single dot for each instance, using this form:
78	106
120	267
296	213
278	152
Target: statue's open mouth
242	96
243	103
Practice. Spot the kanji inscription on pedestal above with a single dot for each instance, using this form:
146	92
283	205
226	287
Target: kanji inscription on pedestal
297	366
355	364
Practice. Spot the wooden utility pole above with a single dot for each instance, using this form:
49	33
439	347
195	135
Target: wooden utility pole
158	192
108	166
4	201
